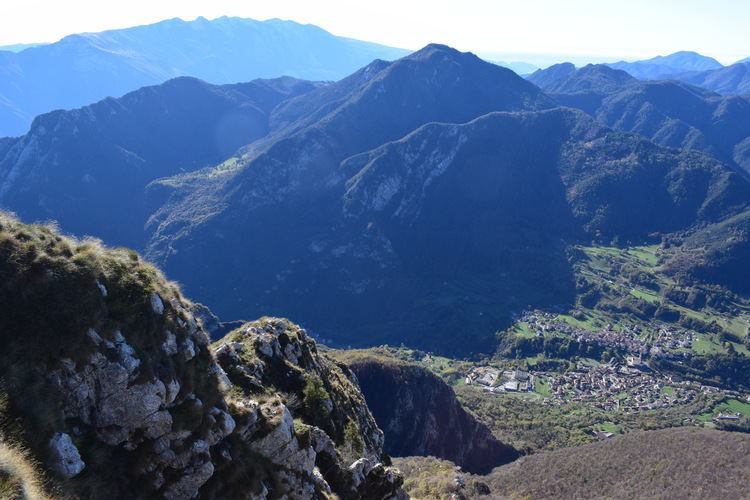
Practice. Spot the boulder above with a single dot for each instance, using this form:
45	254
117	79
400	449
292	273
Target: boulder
67	460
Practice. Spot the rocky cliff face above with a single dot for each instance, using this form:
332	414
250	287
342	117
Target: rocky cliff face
420	414
324	422
111	383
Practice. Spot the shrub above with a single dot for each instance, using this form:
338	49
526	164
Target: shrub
353	437
315	397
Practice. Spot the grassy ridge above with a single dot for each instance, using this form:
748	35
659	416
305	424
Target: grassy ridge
685	463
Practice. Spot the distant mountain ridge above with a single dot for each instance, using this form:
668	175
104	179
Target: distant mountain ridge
84	68
108	152
519	67
18	47
658	66
669	112
692	68
734	79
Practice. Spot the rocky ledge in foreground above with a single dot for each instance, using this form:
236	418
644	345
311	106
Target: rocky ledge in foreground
110	389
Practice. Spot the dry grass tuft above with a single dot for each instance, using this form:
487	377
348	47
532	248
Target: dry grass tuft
19	476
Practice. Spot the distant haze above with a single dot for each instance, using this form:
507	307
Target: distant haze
544	60
540	32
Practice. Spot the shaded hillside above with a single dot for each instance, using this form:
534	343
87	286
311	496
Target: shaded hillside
687	463
551	74
583	89
109	388
84	68
421	201
721	252
420	415
439	236
272	194
734	79
670	113
669	463
677	115
565	78
87	168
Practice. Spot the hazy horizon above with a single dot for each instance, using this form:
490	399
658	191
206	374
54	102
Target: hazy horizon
540	33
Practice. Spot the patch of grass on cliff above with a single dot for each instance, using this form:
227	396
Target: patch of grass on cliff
433	478
53	290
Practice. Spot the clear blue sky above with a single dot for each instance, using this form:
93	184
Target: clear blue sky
530	30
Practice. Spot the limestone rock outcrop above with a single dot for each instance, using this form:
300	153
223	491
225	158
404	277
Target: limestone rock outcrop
110	382
314	423
131	402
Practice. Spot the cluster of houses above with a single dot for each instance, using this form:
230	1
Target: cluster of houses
613	386
627	338
629	387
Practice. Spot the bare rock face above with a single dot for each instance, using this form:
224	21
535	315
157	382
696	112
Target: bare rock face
315	425
181	440
191	480
373	481
420	415
129	406
275	354
281	445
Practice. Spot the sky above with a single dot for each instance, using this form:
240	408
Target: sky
536	31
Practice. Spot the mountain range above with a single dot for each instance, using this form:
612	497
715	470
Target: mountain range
734	79
570	249
673	114
693	68
669	112
84	68
417	201
98	159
